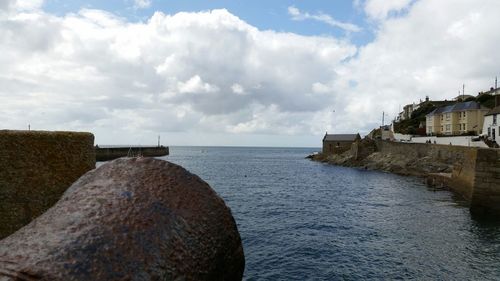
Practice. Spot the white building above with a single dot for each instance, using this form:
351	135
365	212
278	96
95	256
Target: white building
491	127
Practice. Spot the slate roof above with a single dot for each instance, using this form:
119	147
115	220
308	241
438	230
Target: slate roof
461	106
495	110
341	137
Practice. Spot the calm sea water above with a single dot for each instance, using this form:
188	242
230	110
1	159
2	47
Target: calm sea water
302	220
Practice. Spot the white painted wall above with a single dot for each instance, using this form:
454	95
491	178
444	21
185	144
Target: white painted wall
488	123
462	141
402	137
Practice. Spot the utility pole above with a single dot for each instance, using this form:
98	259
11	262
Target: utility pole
495	82
333	119
383	115
158	140
463	92
29	127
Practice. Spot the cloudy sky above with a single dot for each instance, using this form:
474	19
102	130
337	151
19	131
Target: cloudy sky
263	73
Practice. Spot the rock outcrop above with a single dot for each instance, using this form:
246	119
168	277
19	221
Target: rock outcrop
366	155
472	172
130	219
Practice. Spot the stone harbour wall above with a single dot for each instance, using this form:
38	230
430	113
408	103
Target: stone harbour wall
475	174
463	175
449	154
472	172
485	198
111	153
36	167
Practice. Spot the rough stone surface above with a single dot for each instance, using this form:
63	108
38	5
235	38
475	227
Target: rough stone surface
415	159
485	199
471	172
130	219
36	167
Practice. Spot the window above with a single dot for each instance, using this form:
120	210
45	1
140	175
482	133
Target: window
489	132
464	113
447	116
494	119
447	127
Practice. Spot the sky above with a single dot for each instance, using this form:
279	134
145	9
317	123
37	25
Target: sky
237	73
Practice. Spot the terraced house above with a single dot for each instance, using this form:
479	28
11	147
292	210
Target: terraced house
457	119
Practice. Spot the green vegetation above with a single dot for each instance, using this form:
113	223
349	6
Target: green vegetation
416	124
485	100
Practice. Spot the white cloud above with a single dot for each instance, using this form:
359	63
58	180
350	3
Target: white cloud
189	72
20	5
300	16
29	4
412	57
204	78
238	89
380	9
195	85
142	4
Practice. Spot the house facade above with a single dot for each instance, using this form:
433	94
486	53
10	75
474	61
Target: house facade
456	119
338	143
407	111
491	127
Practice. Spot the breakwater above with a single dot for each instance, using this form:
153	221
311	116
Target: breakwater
472	172
36	167
111	153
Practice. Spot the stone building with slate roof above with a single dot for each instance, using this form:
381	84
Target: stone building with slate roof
456	119
338	143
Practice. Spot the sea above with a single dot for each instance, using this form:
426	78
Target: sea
304	220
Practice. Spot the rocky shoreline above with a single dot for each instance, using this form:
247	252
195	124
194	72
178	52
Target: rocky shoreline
371	159
471	172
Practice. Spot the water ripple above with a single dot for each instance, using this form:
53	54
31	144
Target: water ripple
301	220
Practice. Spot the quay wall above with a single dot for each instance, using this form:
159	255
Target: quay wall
36	167
110	153
486	193
449	154
475	174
